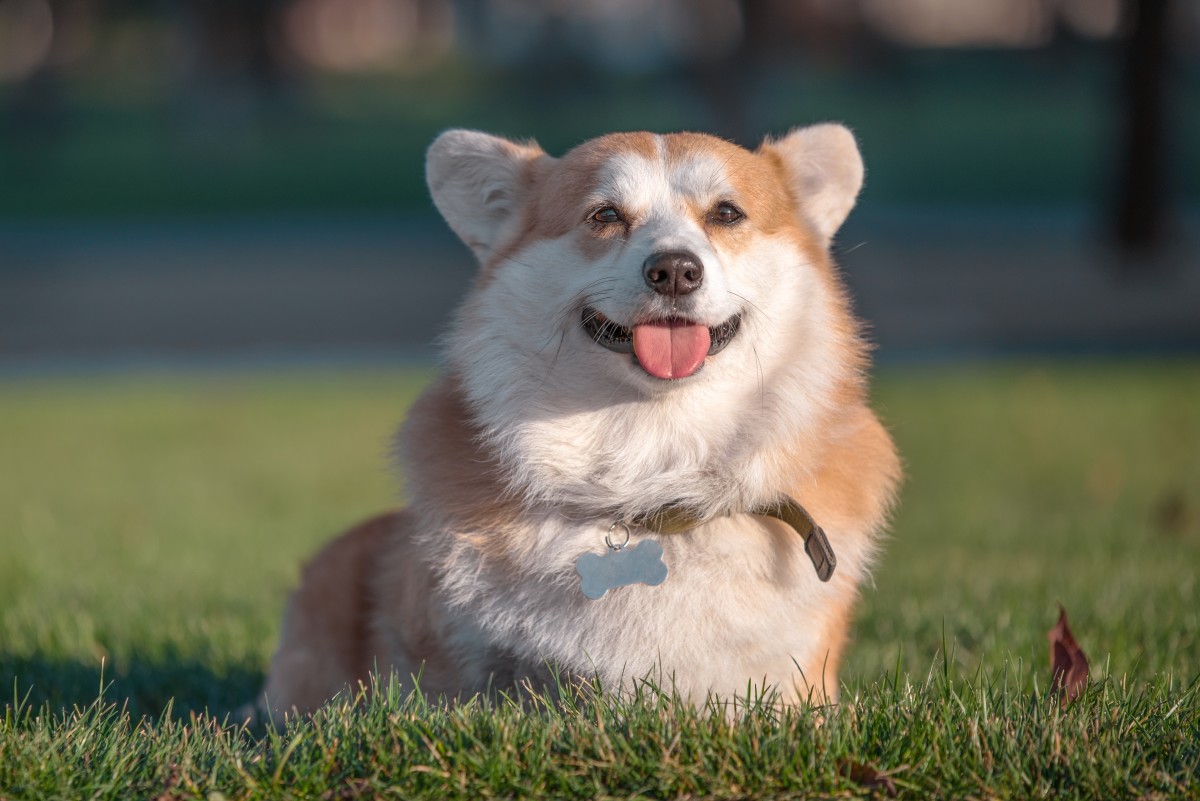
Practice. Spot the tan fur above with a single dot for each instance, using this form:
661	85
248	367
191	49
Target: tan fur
441	438
326	642
362	607
853	484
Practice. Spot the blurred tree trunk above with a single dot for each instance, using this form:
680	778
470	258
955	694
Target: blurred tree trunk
728	84
235	38
37	108
233	71
1142	208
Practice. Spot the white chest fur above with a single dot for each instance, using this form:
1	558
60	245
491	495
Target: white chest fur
741	604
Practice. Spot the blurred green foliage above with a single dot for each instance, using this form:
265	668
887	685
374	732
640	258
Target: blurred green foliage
941	127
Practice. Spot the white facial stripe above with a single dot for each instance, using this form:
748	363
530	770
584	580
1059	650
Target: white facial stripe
643	186
634	183
703	179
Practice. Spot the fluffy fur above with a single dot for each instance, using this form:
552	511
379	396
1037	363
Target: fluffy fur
535	439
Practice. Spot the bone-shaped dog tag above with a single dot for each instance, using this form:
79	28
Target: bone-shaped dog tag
621	566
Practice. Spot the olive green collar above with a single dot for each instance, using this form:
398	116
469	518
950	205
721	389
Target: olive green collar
677	518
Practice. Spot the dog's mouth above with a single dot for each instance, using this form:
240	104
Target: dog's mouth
667	348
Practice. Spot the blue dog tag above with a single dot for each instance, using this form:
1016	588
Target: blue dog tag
620	566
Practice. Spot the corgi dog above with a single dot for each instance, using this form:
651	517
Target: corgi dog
649	452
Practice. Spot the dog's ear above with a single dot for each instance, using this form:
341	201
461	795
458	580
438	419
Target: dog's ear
478	182
825	173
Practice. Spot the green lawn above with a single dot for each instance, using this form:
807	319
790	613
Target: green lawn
150	528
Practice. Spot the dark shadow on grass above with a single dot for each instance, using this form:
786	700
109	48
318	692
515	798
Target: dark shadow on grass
143	686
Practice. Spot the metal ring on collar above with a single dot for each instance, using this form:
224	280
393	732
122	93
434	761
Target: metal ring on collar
608	537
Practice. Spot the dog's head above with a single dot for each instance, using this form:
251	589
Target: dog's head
649	307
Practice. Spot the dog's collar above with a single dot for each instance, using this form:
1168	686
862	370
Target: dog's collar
676	518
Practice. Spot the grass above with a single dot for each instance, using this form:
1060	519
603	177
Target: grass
150	529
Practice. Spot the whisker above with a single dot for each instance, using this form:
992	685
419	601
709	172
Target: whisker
745	300
762	392
562	338
563	322
496	252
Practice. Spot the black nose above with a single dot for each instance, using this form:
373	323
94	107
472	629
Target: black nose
673	273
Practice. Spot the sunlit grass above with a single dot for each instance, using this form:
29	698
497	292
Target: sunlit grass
150	529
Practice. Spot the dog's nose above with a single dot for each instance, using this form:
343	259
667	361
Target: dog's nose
673	273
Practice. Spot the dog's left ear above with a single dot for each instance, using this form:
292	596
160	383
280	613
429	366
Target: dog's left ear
479	183
825	173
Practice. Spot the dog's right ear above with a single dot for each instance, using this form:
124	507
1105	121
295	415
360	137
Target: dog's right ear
479	182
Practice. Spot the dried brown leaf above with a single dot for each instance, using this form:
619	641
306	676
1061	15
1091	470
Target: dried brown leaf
170	784
1172	516
354	788
1068	662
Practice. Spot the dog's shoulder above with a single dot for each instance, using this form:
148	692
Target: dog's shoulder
852	482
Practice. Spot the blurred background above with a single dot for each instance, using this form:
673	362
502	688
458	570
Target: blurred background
224	181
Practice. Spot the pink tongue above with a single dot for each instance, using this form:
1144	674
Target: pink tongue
670	349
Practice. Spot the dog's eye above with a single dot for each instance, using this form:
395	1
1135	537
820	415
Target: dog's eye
607	215
726	213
